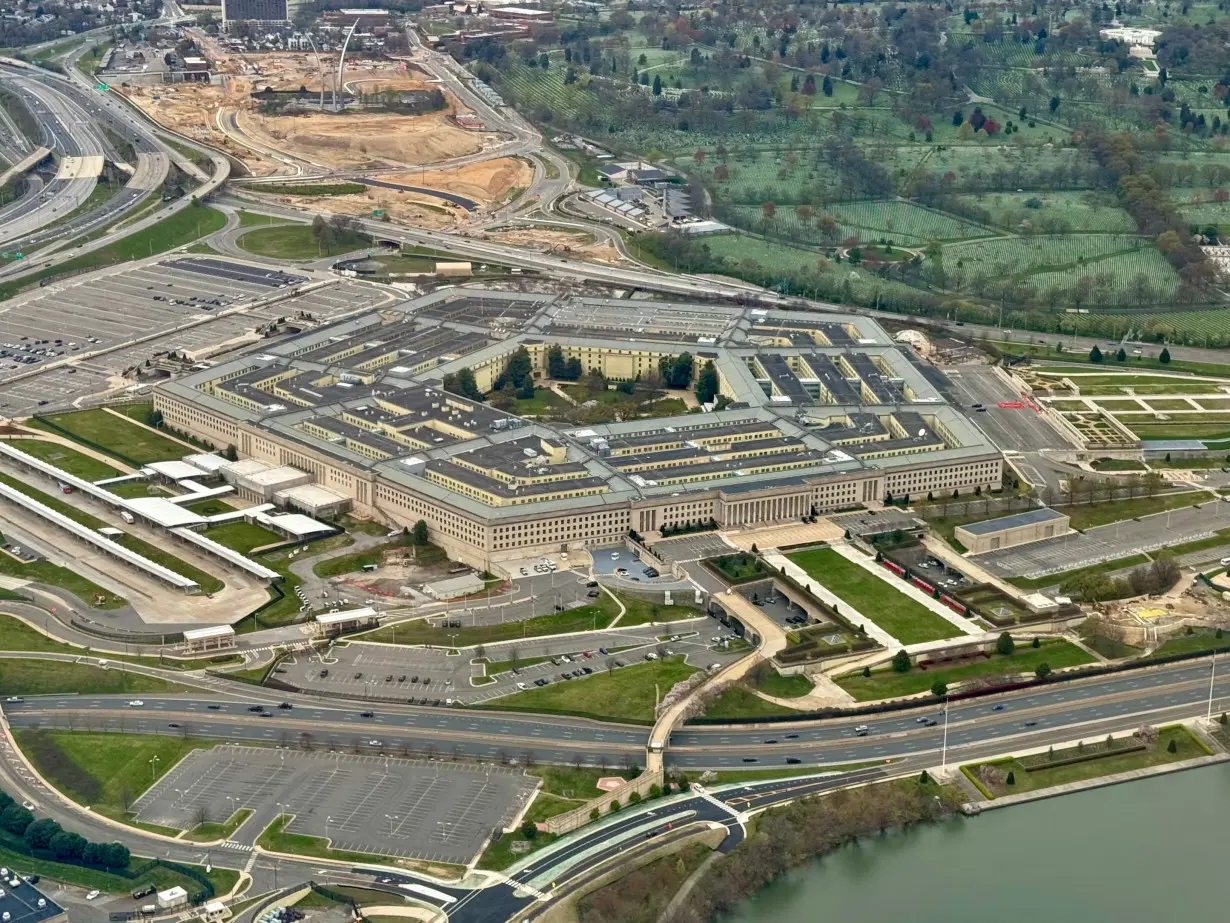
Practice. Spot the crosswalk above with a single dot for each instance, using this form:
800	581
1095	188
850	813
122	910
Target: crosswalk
238	847
247	869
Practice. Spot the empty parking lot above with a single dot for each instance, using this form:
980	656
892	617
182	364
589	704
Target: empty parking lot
381	805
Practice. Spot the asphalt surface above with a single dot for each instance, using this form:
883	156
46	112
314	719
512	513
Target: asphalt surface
1125	698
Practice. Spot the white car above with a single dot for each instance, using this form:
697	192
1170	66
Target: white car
135	703
92	895
374	743
522	686
28	805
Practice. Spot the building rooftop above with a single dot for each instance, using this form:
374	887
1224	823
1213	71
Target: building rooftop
1015	521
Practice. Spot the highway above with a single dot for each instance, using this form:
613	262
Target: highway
1057	711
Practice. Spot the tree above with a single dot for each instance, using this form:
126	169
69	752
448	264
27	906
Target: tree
657	85
1036	643
1095	354
1172	747
866	672
1043	670
463	383
901	662
924	778
1164	358
529	830
1005	645
68	847
615	806
1011	780
232	453
1121	355
1054	103
939	689
827	86
421	534
39	834
707	383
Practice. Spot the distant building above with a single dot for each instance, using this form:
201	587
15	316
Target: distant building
366	19
523	13
259	12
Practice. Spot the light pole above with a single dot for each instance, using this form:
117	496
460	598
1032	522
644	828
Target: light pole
944	745
1212	677
391	817
152	761
328	820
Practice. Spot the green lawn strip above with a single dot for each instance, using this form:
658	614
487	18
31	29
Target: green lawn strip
1118	464
575	782
741	702
200	158
544	401
499	853
628	694
1110	648
584	618
107	772
495	667
366	526
181	228
130	490
642	612
53	575
875	598
70	460
1133	363
243	536
297	242
756	775
1186	747
1086	516
94	879
739	567
23	676
210	831
249	219
108	433
1196	642
311	189
887	684
16	635
1106	567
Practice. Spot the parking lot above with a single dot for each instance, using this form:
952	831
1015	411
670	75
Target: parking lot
690	548
430	676
93	317
1109	542
930	568
386	806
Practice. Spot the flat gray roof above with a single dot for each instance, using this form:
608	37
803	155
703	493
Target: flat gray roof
1015	521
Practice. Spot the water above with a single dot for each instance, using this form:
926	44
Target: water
1144	851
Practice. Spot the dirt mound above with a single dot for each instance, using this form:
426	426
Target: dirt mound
487	183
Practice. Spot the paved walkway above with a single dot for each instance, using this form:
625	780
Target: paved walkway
791	533
939	548
41	436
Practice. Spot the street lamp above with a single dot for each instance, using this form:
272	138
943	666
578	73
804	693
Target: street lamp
944	745
152	761
328	820
391	818
1212	677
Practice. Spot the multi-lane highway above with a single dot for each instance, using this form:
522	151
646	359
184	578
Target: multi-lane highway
1055	711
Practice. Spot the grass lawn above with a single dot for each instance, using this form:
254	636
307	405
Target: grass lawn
296	242
130	490
642	612
543	402
583	618
185	226
739	567
96	878
134	444
1133	364
757	775
741	702
208	831
887	684
875	598
627	694
1186	747
1111	648
105	771
243	536
574	782
53	575
70	460
1198	641
20	676
1086	516
770	682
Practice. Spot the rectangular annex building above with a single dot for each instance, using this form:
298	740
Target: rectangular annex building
820	412
1007	531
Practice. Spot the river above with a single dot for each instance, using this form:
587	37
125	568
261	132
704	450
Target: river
1144	851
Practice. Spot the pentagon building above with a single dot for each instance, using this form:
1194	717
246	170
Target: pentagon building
825	412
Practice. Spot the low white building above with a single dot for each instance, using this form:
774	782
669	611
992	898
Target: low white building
213	638
455	587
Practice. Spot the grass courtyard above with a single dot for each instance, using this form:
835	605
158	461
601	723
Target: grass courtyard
112	434
875	598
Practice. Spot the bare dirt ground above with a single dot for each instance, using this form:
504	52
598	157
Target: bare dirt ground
487	183
330	140
547	240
